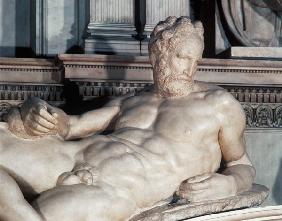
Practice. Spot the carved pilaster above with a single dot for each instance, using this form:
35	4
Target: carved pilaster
158	10
111	27
109	12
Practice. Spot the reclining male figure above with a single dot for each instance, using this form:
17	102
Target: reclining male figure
179	130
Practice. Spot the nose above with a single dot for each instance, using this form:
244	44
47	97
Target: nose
191	67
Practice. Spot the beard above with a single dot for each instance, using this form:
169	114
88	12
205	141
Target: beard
171	85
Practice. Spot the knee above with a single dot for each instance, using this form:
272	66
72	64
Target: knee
7	181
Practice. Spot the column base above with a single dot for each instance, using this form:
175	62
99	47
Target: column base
112	38
112	45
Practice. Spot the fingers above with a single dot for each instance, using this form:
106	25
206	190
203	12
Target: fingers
42	121
195	196
38	125
199	178
43	112
53	113
195	186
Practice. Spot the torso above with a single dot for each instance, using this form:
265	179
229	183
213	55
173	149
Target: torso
170	139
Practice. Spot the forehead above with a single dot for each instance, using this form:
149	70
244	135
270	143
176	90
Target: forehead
190	47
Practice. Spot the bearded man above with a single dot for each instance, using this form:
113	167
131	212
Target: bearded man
171	138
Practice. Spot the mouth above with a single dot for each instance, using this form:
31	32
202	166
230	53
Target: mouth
171	79
182	77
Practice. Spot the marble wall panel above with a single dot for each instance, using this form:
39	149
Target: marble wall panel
14	27
112	11
62	26
265	150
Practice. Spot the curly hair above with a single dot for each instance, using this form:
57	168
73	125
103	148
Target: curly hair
167	35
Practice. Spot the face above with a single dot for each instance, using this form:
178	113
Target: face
179	68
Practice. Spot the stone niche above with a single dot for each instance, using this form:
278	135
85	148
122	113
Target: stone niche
124	26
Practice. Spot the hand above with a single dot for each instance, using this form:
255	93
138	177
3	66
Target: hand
39	118
207	187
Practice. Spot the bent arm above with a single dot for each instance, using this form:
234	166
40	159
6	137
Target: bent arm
40	119
91	122
232	143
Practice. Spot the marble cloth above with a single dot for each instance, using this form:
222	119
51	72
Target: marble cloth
183	210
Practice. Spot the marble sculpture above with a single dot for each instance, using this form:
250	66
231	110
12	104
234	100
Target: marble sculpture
171	138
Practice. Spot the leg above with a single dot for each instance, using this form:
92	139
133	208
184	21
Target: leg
84	202
13	206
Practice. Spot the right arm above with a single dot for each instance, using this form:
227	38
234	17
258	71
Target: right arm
91	122
40	118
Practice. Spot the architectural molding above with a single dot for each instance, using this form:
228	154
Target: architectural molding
256	84
30	70
24	78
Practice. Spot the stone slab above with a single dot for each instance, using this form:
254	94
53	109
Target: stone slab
253	52
183	211
273	213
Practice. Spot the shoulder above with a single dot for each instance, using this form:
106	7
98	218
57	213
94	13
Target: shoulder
133	99
224	103
218	95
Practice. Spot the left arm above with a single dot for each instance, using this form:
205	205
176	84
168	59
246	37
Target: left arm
232	143
239	173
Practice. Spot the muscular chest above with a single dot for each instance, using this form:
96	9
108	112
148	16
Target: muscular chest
187	120
138	112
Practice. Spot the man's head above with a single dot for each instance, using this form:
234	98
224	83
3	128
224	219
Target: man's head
174	48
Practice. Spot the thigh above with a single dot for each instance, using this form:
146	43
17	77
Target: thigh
13	206
83	202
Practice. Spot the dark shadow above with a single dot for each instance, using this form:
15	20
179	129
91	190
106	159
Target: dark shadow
206	10
75	104
140	20
277	188
22	29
